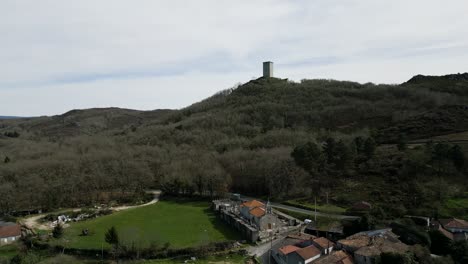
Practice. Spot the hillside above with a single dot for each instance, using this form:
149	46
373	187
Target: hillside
268	137
83	122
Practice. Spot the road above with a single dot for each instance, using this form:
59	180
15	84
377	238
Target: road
302	211
32	222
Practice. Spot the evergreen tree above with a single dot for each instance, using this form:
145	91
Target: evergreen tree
112	237
369	147
457	156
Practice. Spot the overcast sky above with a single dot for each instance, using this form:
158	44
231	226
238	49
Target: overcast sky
58	55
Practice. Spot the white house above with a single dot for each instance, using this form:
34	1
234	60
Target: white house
9	234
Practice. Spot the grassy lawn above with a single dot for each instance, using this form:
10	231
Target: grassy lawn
8	251
326	208
230	259
182	224
457	207
322	222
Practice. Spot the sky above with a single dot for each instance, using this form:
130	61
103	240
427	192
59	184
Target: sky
59	55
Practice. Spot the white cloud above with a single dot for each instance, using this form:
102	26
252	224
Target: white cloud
58	55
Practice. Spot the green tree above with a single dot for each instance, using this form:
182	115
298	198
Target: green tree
343	156
459	252
401	143
440	244
309	157
57	232
457	156
329	150
369	147
112	237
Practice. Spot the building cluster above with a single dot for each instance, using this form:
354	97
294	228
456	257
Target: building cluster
255	220
302	248
9	233
366	247
361	248
453	228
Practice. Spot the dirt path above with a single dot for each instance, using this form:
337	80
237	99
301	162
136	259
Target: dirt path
32	222
155	200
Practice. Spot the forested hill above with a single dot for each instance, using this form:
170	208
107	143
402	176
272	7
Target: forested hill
241	139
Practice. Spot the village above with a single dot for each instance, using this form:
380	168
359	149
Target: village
274	236
293	241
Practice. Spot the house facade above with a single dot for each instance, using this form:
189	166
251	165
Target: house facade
9	234
453	228
367	246
324	245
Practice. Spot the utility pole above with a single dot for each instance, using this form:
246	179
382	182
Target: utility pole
315	217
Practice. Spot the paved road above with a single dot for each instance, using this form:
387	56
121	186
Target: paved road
303	211
263	251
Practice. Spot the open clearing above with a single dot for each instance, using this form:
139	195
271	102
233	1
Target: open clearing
182	224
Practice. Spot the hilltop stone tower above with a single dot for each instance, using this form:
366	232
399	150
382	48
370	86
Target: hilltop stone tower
268	69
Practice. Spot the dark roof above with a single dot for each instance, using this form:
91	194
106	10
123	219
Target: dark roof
10	231
362	206
6	223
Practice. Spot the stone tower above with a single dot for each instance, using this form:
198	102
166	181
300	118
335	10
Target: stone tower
268	69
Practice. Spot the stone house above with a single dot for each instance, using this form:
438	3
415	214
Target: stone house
337	257
259	215
291	254
453	228
325	245
367	246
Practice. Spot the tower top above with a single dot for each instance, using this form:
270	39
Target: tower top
268	69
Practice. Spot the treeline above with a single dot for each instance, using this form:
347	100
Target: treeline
269	137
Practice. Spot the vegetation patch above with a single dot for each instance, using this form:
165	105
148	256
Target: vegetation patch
181	225
309	205
8	251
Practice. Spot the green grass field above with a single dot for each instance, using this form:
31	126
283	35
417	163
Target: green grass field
227	259
182	224
8	251
326	208
456	207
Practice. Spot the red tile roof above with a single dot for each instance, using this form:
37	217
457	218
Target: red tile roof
454	223
308	252
324	243
253	203
257	211
288	249
302	236
446	233
10	231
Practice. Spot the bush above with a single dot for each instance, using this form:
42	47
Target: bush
58	231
